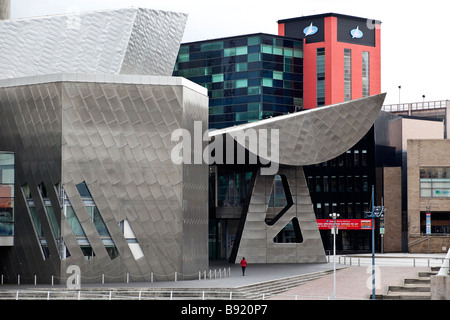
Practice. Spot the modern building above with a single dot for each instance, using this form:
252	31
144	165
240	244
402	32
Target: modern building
313	61
341	56
93	176
248	77
428	195
86	126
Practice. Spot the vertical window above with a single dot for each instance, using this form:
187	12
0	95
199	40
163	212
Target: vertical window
325	184
356	158
365	74
97	219
131	239
320	76
36	221
347	74
6	194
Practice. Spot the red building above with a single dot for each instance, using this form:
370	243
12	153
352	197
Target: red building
342	58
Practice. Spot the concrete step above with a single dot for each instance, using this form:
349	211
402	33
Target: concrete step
253	292
270	288
412	289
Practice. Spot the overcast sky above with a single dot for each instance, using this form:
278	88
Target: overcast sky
415	34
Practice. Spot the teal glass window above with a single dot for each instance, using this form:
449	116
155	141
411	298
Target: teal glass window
267	82
254	90
217	77
242	83
240	67
183	57
252	57
212	46
252	41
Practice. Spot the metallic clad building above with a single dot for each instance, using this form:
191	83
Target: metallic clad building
88	107
95	185
126	41
114	138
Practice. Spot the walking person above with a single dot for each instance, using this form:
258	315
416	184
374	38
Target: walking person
243	265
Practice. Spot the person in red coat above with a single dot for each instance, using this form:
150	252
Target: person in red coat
243	265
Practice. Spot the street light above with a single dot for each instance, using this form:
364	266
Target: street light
334	231
377	212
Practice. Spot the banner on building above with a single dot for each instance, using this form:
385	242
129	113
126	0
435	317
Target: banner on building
345	224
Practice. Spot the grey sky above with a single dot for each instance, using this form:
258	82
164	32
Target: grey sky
414	45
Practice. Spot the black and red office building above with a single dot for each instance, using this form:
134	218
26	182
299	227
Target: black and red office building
341	57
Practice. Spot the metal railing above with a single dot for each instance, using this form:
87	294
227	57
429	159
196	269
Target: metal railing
390	261
153	295
211	274
415	106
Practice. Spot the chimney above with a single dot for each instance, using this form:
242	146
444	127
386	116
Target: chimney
5	9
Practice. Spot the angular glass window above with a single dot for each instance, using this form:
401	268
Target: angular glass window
97	219
131	239
51	217
36	222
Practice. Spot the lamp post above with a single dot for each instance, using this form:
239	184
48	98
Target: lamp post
375	213
334	231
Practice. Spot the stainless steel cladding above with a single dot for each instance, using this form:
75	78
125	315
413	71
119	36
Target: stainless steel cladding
127	41
114	138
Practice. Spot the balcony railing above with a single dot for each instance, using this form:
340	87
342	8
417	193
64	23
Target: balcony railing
415	106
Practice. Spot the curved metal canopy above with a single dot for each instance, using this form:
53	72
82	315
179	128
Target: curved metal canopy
312	136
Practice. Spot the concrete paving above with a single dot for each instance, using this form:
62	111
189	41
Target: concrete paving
352	281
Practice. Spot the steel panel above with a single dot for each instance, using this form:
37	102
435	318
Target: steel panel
132	41
164	202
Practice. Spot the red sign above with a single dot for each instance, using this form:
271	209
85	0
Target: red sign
345	224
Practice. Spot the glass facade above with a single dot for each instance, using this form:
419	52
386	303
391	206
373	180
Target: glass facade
320	77
435	182
347	74
365	74
344	185
97	220
6	194
248	78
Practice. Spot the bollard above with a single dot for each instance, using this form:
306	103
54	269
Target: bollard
128	278
53	282
103	278
199	275
18	279
35	280
175	276
151	277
